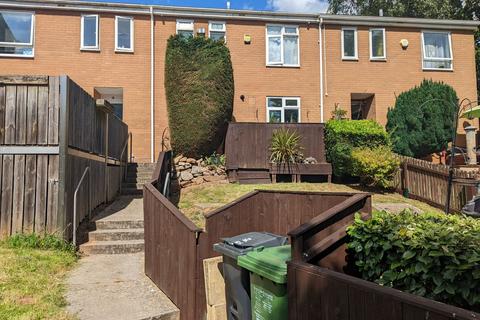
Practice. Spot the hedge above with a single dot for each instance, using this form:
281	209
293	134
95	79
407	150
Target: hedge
200	91
423	119
432	255
342	136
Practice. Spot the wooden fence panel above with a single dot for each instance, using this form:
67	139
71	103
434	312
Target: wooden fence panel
2	114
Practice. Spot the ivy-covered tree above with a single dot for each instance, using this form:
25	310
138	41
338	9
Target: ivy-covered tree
423	119
200	90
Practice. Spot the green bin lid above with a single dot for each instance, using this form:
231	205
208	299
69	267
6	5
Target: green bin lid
270	263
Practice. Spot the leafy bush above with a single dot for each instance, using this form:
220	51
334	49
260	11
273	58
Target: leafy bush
215	159
421	123
35	241
432	255
286	147
341	136
200	91
375	167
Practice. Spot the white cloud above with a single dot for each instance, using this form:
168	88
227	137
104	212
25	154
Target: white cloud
304	6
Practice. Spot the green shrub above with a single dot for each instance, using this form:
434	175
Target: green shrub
285	147
215	159
200	90
422	123
35	241
375	167
341	136
432	255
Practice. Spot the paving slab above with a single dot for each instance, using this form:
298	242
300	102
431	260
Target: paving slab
114	287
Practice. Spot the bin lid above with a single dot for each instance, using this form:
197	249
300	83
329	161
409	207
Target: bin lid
270	263
241	244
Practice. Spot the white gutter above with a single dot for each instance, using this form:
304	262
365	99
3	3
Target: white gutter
321	68
152	86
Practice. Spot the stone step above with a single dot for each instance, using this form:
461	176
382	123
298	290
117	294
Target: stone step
113	247
117	224
132	185
116	234
131	191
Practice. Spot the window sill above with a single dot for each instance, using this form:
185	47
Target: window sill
378	59
6	55
438	69
282	66
349	59
124	51
90	49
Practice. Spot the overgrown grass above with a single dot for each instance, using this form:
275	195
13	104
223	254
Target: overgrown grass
32	270
196	201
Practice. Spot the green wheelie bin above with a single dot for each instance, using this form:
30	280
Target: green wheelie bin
268	281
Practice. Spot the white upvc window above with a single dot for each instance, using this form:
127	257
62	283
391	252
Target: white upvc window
17	30
185	28
124	34
89	32
283	109
217	30
349	43
437	50
378	44
283	46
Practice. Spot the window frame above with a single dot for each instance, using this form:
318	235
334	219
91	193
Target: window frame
97	40
192	22
349	58
224	29
284	107
379	58
17	44
282	34
132	35
424	58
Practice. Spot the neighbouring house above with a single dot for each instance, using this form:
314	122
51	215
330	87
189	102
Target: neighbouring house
288	67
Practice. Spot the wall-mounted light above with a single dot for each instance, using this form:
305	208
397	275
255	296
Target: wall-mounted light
247	39
404	43
242	97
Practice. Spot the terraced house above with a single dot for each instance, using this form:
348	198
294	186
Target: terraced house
287	67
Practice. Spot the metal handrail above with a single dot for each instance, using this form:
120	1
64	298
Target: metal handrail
121	157
87	170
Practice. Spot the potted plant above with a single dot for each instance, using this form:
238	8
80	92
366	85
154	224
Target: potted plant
285	150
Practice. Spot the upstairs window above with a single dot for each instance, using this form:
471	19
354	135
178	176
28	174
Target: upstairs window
16	33
437	50
283	46
283	110
89	32
377	44
217	30
123	34
185	28
349	44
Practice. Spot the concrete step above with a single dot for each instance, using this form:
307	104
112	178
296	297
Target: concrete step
132	191
132	185
117	224
116	234
113	247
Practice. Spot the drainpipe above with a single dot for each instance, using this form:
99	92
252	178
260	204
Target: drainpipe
321	68
152	86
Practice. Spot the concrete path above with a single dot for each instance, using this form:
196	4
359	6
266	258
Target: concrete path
115	287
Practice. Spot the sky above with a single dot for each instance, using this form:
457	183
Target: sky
304	6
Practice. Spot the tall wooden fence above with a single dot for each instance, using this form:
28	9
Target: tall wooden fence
428	182
51	130
175	247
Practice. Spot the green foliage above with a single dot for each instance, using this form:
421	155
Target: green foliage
432	255
375	167
422	121
338	113
200	90
35	241
215	159
341	136
285	147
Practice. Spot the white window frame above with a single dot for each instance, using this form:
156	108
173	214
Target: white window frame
424	57
381	58
185	21
97	40
352	58
284	107
17	44
224	30
132	34
282	34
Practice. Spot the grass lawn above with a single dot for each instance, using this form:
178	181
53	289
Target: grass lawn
198	200
32	271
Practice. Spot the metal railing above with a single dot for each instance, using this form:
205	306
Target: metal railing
87	171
